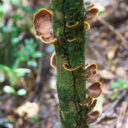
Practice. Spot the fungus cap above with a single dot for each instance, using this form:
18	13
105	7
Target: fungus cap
92	117
42	21
91	13
87	25
87	101
94	90
67	67
53	60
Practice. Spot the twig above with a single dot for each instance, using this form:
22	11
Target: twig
110	27
110	108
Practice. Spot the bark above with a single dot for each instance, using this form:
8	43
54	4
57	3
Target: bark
70	84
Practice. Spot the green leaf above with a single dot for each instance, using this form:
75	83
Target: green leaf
1	14
119	84
9	90
114	95
15	2
26	9
21	92
22	71
16	17
32	63
37	54
15	41
2	76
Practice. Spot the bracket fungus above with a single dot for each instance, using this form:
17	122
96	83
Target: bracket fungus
92	117
91	105
67	66
91	13
73	25
53	60
87	25
87	101
94	90
42	21
89	71
71	40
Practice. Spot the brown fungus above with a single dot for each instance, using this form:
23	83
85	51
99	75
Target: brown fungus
94	90
87	101
53	60
92	105
89	71
42	21
91	13
92	117
67	66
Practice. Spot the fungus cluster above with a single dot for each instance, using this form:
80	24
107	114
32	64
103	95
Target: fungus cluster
42	21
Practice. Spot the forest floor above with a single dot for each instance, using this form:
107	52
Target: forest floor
107	46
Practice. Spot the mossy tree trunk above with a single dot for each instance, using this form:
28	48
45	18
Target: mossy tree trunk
70	84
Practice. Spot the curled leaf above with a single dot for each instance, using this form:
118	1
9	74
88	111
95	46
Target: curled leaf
93	117
94	90
42	21
87	25
87	101
92	105
67	67
91	13
53	60
72	26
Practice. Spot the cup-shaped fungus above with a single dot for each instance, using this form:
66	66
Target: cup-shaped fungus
92	117
94	90
42	21
90	71
87	26
91	105
91	13
53	60
67	66
89	7
87	101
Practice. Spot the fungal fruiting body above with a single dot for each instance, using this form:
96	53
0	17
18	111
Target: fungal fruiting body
42	21
91	13
73	25
67	66
89	71
92	117
53	60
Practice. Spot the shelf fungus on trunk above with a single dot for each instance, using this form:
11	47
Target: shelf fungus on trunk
89	71
42	21
94	90
53	60
92	105
92	117
91	13
67	66
72	25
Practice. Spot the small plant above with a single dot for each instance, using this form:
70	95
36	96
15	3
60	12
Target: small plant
66	28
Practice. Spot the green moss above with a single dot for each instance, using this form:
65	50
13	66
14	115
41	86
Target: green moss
70	85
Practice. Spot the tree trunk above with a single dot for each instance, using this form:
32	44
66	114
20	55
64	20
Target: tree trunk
70	48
